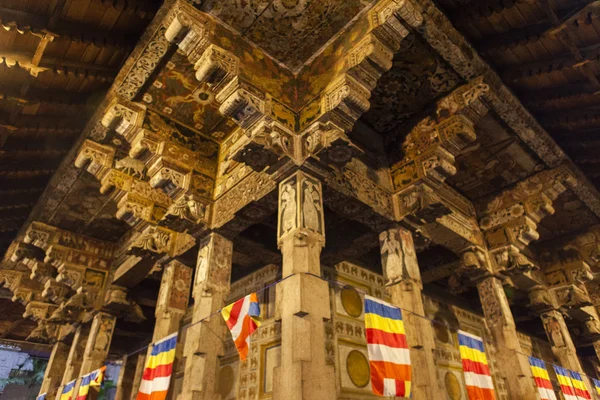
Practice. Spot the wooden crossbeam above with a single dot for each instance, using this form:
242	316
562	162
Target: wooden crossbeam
11	93
43	26
565	61
22	121
528	34
57	66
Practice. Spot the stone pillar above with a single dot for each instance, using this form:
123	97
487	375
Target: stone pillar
171	305
74	359
401	270
55	370
204	341
172	300
303	298
513	364
560	340
98	344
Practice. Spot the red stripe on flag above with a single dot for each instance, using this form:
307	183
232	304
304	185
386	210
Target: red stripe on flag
582	393
400	389
235	313
158	372
248	326
376	336
477	393
475	367
543	383
567	390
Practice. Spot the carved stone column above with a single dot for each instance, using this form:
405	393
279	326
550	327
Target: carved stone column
560	340
302	299
172	299
55	370
513	364
98	344
400	267
74	360
204	341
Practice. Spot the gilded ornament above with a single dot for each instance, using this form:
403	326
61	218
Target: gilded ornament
352	302
358	369
452	385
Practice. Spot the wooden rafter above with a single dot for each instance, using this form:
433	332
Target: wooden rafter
43	26
33	96
57	66
566	61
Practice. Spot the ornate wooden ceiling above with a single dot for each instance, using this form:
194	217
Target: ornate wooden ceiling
547	52
57	59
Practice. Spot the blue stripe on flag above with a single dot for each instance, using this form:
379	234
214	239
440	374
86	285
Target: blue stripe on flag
85	381
576	375
164	346
470	342
254	309
561	371
372	307
69	386
536	362
596	382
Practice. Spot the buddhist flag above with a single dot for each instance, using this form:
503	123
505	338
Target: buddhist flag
478	379
389	356
580	390
41	397
542	379
92	379
597	386
566	385
67	393
242	318
159	367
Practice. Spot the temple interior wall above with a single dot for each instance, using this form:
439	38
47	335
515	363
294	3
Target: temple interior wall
345	345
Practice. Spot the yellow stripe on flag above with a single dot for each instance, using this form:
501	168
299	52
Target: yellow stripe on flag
474	355
539	372
375	321
161	359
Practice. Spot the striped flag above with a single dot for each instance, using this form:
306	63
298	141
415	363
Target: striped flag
92	379
542	379
478	379
67	393
389	356
597	386
41	397
581	390
566	385
159	367
242	318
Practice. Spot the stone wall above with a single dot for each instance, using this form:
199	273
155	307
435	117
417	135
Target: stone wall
345	346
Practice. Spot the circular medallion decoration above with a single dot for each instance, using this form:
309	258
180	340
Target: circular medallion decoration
452	386
357	366
351	302
441	332
225	381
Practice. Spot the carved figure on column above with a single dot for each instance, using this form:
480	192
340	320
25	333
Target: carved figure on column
554	330
288	208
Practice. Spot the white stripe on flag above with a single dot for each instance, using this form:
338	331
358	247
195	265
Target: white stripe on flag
480	381
546	394
381	352
389	387
155	385
237	328
570	397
